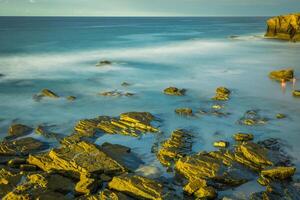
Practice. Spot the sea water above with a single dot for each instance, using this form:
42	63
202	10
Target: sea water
198	54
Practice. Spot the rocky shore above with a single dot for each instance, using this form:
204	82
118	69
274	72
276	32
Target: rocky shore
285	27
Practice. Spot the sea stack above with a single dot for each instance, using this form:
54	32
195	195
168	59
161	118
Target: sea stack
285	27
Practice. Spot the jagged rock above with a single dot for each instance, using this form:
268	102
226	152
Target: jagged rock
173	91
177	146
18	130
106	194
280	116
222	144
206	192
252	118
253	155
103	63
8	181
48	93
42	186
285	27
184	111
86	185
116	93
41	130
21	147
131	123
222	94
280	173
296	93
284	74
79	158
243	136
71	98
137	186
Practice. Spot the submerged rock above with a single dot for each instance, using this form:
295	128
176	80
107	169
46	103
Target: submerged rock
296	93
222	94
18	130
280	116
285	27
284	74
252	118
177	146
184	111
125	84
71	98
41	130
103	63
116	93
138	187
173	91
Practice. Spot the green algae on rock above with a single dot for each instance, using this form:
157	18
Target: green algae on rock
184	111
138	187
177	146
174	91
252	118
222	94
285	27
283	74
280	116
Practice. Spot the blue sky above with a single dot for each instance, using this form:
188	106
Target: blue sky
148	7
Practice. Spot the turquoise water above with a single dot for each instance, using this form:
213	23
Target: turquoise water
151	54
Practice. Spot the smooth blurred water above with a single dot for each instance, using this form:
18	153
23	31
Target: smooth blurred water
151	54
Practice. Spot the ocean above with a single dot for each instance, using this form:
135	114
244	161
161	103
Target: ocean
151	53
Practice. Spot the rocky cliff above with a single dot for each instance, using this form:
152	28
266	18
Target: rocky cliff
285	27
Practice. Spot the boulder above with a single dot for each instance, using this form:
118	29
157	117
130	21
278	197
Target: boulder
173	91
285	27
282	75
86	185
8	181
252	118
77	159
222	94
137	186
177	146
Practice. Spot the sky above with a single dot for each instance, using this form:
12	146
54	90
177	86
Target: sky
148	7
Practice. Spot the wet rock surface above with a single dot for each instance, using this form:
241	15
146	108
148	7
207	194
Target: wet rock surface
222	94
174	91
296	93
184	111
18	130
103	63
177	146
116	93
282	75
252	118
284	27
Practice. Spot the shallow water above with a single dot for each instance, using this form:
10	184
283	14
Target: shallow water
151	54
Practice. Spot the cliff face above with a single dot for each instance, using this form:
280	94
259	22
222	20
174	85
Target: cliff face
284	27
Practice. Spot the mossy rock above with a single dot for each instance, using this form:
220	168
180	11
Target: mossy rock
222	94
184	111
243	136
